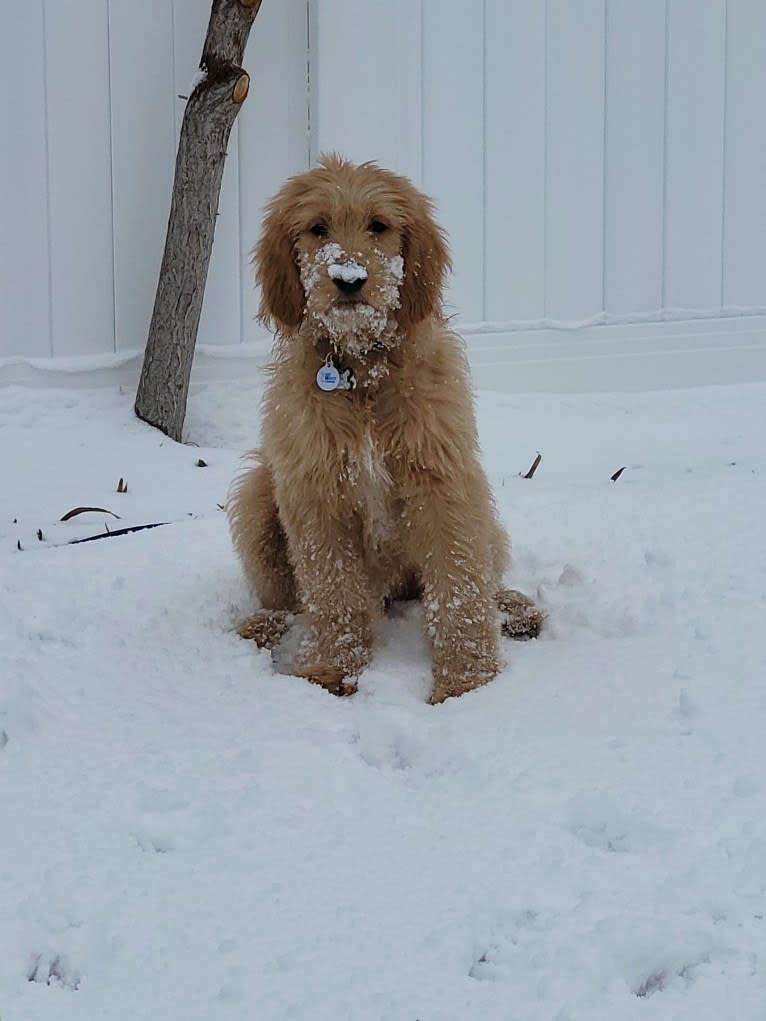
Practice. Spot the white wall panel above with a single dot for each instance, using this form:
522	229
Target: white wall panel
694	153
143	156
80	186
453	141
744	233
635	156
515	160
86	174
24	280
588	157
273	128
574	179
365	81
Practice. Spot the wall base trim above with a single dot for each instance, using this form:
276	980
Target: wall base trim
600	357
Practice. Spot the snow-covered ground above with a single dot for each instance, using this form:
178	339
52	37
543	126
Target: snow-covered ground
186	833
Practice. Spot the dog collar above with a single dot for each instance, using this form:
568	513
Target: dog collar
331	378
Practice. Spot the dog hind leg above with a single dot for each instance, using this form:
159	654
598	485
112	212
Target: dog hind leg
260	541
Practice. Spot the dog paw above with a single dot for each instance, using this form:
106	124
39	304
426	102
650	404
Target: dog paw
266	628
331	679
452	686
520	618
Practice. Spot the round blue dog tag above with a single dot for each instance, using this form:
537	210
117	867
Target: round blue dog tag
328	377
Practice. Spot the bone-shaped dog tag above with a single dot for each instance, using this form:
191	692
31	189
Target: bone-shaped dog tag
330	378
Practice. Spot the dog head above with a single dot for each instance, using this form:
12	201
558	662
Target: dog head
355	250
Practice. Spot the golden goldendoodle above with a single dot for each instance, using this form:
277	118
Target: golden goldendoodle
367	486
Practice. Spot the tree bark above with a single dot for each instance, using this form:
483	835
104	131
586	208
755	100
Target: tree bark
209	117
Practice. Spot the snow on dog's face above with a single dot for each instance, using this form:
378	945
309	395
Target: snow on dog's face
353	252
352	292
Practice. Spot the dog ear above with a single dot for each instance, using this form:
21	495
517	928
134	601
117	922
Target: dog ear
276	271
426	263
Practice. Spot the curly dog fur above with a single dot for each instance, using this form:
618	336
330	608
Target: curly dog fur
373	492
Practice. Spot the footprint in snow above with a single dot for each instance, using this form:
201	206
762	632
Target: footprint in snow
598	822
53	970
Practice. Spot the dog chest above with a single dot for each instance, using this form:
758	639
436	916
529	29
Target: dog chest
368	484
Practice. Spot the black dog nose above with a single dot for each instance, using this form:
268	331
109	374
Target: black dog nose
349	277
349	286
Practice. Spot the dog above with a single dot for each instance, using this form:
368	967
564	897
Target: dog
367	486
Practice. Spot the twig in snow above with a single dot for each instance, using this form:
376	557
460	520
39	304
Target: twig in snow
533	469
118	531
86	510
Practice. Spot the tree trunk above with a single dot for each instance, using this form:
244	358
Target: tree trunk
210	114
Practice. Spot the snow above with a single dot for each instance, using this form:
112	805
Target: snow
349	271
353	327
187	833
199	77
311	265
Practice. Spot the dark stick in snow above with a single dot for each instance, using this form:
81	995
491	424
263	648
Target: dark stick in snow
117	531
533	469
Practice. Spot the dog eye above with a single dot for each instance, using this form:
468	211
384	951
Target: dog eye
319	230
377	227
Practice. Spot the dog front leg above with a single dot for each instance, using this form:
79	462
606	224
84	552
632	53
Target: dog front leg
338	603
459	608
